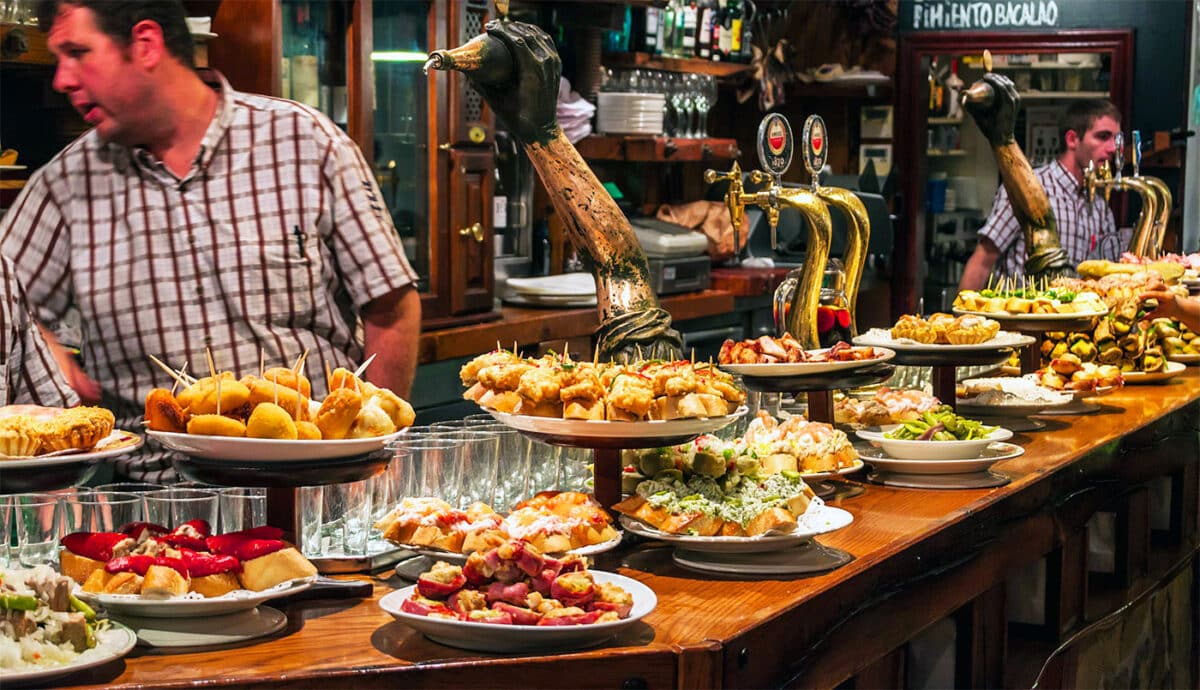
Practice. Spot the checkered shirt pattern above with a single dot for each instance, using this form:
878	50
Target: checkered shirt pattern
270	244
30	374
1079	223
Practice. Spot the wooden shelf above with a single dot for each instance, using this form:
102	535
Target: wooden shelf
646	149
945	120
937	153
662	63
1043	66
865	92
1060	95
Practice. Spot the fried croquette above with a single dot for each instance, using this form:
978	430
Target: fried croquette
286	377
307	431
215	425
269	420
265	391
338	412
204	399
371	421
163	412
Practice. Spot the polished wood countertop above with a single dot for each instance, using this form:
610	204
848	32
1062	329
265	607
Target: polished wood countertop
738	631
529	325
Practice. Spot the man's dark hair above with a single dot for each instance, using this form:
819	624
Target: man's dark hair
118	17
1081	115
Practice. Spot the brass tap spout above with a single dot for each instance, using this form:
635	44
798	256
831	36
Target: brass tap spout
1144	237
1164	212
859	226
802	317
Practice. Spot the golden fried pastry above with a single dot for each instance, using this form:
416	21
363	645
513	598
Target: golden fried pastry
203	398
1066	365
397	408
344	378
371	421
286	377
914	328
269	420
77	428
470	371
20	436
215	425
940	323
338	412
307	431
163	412
969	329
263	390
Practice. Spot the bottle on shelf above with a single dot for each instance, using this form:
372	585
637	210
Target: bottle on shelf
746	53
704	31
724	47
668	29
717	27
677	40
687	45
936	90
651	30
306	87
954	86
735	31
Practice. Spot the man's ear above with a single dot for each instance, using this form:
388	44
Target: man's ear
146	46
1071	139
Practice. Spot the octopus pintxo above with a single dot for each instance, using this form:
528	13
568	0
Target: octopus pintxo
787	350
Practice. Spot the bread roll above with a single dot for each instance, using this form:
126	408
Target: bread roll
78	568
124	583
163	582
267	571
215	585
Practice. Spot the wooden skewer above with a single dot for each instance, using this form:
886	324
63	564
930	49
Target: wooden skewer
566	347
218	389
261	362
212	368
275	381
363	367
171	372
328	377
182	374
300	362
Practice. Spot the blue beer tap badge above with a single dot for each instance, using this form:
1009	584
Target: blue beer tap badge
775	144
816	146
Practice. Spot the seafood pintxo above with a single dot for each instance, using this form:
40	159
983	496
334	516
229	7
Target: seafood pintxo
887	406
556	386
551	521
1017	301
787	350
149	560
515	584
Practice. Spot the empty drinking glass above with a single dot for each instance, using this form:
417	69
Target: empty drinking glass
242	508
430	467
173	507
335	519
101	511
38	524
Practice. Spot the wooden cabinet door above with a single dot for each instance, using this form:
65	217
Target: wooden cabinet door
471	233
470	120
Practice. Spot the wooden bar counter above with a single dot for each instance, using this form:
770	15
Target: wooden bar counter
920	556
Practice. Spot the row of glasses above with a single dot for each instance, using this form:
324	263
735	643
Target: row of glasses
689	97
34	522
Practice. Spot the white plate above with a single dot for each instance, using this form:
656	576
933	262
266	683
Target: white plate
991	454
205	632
183	607
856	466
1186	359
266	449
969	406
805	368
113	643
1169	370
584	429
931	450
810	557
206	35
119	442
567	284
1008	316
819	519
879	337
456	557
486	637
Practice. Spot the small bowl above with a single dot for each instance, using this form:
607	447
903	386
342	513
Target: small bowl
931	450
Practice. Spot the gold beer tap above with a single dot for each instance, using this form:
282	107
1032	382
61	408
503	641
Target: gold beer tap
775	152
1104	179
858	224
1164	197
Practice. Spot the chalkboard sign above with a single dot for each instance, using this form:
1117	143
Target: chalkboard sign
959	15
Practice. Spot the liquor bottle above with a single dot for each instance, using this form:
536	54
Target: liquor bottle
704	34
677	41
735	31
667	45
687	46
718	21
954	86
746	54
306	87
653	22
722	30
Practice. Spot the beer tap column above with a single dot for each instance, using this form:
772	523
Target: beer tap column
1164	198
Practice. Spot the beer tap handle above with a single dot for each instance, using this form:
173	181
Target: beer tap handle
1118	155
1089	181
733	198
1136	151
1106	177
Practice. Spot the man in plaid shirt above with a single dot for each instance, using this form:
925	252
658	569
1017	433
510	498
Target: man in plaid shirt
193	217
1085	229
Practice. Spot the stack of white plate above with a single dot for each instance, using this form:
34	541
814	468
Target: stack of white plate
567	290
631	113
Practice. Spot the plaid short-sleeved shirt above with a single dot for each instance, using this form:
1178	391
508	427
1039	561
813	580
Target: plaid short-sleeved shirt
1081	225
28	373
271	243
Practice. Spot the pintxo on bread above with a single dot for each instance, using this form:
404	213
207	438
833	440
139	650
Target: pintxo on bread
560	387
147	560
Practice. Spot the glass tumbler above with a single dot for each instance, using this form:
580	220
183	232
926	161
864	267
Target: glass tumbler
173	507
101	511
242	508
38	527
